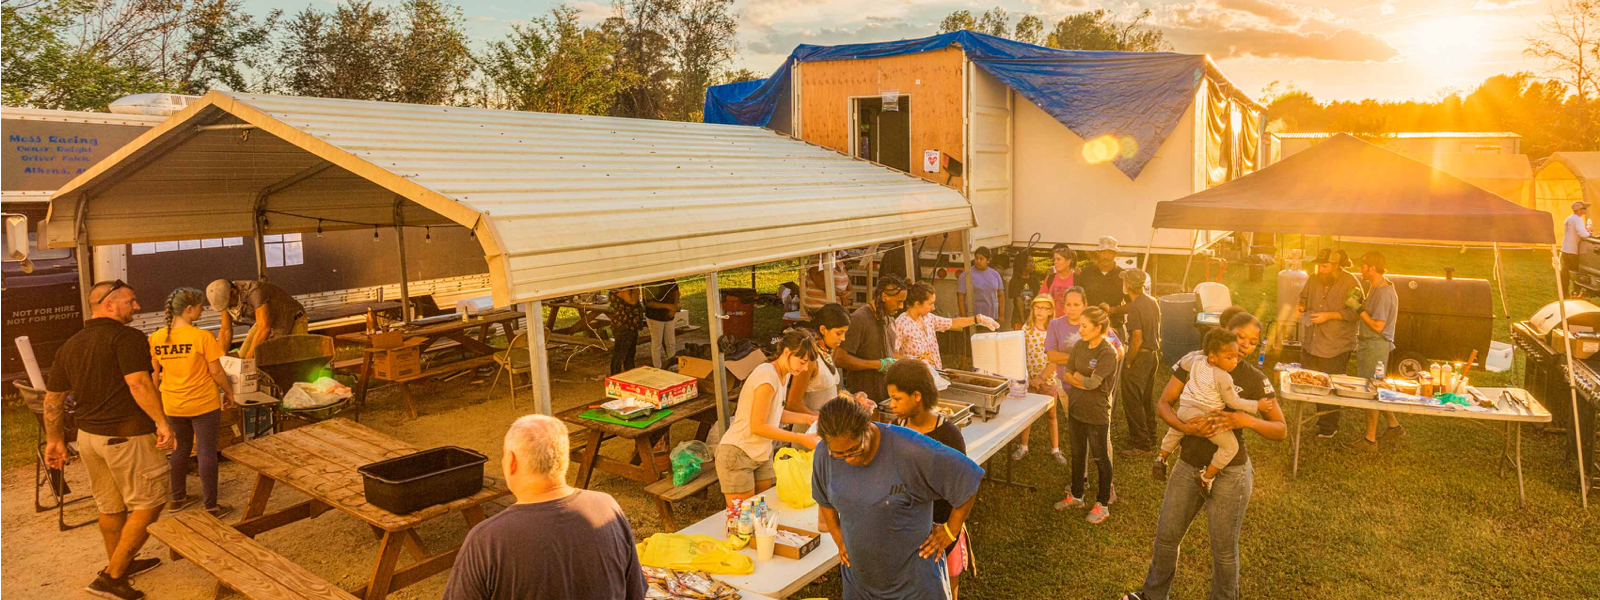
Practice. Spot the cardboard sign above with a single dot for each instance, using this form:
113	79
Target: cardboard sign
930	161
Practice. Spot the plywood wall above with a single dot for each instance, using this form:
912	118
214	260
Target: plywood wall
931	79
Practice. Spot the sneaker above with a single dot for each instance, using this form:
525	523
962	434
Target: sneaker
1158	470
1060	458
1069	502
1098	513
1133	452
1205	485
181	503
118	589
1133	596
219	511
1020	452
1327	434
1397	431
140	565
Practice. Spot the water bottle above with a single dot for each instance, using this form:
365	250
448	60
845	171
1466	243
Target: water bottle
1261	361
1377	373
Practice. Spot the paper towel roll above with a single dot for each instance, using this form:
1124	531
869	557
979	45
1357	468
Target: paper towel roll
25	350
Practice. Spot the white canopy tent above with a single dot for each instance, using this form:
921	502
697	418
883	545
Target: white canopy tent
561	204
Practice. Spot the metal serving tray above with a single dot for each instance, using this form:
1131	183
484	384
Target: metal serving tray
983	392
1353	387
957	411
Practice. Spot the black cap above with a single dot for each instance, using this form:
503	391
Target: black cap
1329	255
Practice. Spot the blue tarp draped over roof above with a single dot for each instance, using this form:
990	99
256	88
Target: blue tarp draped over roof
1124	94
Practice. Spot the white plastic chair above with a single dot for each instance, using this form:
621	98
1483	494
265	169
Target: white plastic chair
1214	297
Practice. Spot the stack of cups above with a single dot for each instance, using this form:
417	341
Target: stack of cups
766	536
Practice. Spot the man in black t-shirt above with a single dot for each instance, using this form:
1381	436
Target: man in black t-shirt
868	347
556	542
1139	371
121	430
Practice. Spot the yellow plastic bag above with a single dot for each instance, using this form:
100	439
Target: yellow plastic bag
681	552
794	477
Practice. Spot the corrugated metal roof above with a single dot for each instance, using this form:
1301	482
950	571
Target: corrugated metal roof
561	203
72	116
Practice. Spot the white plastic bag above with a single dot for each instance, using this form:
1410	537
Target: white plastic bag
317	394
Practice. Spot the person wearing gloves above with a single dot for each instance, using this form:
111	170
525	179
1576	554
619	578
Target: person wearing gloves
916	330
868	347
744	456
270	311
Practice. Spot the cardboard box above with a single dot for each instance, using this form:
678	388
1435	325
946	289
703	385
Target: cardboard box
1584	344
241	373
656	386
402	362
797	552
700	369
388	339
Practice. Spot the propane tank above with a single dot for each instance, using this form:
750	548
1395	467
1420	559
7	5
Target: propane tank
1291	279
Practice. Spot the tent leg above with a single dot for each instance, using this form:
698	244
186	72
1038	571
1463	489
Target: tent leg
1500	280
1193	239
1148	247
260	248
831	263
912	272
405	284
538	358
1572	385
714	330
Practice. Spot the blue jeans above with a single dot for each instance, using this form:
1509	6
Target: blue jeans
1230	496
198	434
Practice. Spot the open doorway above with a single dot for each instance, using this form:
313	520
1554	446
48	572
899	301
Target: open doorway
883	136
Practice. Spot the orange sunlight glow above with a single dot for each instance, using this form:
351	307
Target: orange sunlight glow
1101	149
1449	43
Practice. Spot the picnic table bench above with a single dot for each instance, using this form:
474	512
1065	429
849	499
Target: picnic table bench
665	493
238	562
321	461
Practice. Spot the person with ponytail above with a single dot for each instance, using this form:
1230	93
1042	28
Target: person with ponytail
824	381
188	375
744	456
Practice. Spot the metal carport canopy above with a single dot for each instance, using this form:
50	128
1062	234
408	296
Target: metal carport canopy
560	203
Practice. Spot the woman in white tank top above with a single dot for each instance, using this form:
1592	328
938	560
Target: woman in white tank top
811	389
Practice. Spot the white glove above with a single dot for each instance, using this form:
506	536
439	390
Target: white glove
985	321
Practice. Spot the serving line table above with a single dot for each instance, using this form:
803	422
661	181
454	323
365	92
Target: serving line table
1505	411
781	577
320	461
454	329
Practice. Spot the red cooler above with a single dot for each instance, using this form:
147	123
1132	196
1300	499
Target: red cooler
739	304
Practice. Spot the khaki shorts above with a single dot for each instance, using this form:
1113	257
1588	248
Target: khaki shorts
130	475
738	473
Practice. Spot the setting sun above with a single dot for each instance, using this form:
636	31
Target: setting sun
1449	43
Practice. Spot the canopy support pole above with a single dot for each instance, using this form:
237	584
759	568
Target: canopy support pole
831	262
1148	247
1194	238
972	300
911	263
538	357
1572	384
85	259
400	241
714	318
260	244
1500	279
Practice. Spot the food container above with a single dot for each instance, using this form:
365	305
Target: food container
1405	387
658	387
955	410
628	409
796	552
1353	387
983	392
410	483
1300	382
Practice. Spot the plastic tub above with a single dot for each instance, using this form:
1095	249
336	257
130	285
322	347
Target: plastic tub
409	483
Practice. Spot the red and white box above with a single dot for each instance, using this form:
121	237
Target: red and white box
656	386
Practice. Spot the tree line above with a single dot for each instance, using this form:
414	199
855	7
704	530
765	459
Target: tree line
650	59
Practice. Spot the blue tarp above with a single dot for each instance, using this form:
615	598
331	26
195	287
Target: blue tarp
1141	95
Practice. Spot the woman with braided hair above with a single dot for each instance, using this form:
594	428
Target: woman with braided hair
188	375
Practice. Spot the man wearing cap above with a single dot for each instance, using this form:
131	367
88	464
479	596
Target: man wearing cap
1329	304
1139	368
1576	228
1102	282
270	311
868	347
1375	337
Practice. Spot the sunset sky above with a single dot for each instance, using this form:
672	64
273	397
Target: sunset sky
1335	49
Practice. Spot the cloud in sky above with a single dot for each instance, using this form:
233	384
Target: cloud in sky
1385	9
783	42
1268	29
1505	4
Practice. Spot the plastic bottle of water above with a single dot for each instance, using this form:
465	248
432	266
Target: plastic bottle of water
1377	373
1261	360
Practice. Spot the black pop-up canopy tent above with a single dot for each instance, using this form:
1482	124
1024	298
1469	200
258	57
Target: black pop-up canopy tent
1345	186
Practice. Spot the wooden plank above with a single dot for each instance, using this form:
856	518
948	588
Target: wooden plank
687	410
353	444
673	493
240	562
336	485
254	526
451	367
364	433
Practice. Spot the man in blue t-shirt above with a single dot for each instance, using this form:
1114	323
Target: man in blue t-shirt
875	485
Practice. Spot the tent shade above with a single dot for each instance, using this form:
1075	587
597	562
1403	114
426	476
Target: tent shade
561	204
1345	186
1566	177
1141	95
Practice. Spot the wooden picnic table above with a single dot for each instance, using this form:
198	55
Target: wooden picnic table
583	332
455	330
320	461
353	309
642	467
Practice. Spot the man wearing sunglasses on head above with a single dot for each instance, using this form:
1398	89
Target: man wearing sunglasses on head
121	430
875	486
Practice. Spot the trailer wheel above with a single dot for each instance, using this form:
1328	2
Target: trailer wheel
1409	364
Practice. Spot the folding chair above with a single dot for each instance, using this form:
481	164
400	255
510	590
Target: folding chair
44	475
514	359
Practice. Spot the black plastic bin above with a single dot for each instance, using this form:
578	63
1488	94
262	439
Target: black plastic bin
408	483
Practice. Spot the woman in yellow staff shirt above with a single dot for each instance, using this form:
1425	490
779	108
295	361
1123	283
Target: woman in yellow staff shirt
189	374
